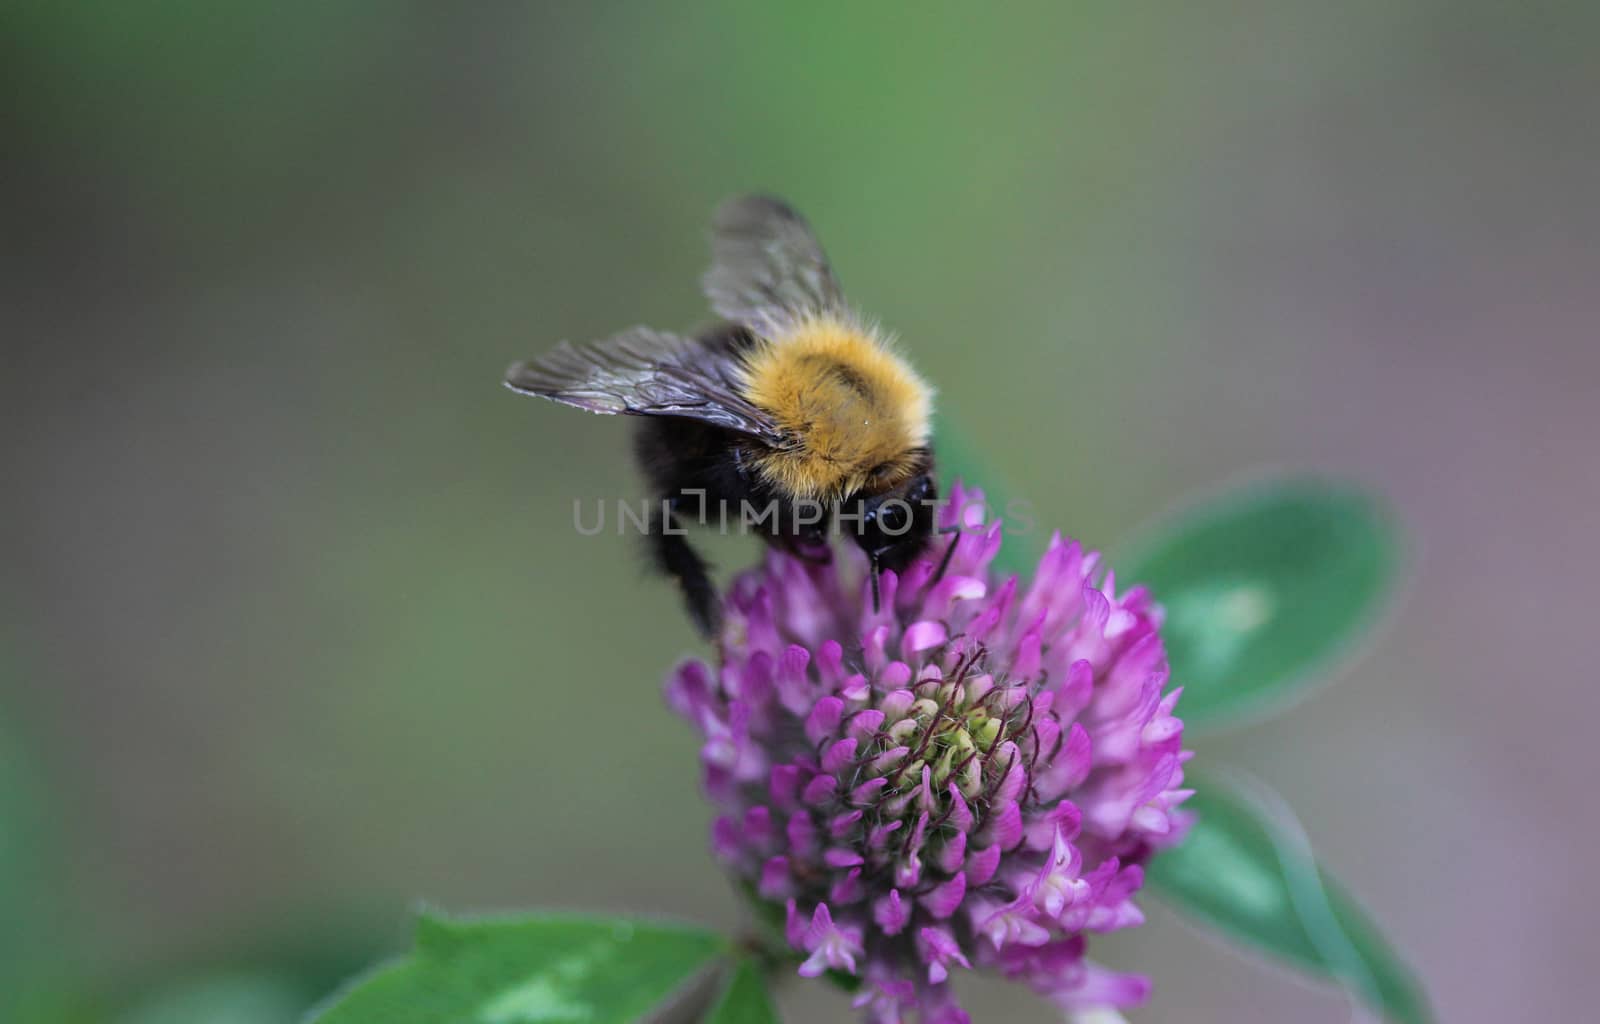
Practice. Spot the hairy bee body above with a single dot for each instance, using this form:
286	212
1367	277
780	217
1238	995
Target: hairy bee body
858	412
793	410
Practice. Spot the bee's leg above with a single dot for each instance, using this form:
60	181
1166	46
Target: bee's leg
675	557
949	550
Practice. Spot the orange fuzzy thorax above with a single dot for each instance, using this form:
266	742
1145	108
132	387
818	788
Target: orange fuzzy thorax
854	409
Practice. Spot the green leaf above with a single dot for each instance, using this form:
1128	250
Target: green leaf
1262	588
530	970
1248	872
745	1000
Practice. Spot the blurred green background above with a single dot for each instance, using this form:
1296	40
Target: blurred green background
297	628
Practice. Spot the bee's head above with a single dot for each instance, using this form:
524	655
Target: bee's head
893	526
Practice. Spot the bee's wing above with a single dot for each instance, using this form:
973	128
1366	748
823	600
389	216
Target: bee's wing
766	265
645	372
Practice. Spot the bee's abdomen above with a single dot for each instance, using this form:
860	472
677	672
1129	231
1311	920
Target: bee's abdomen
676	454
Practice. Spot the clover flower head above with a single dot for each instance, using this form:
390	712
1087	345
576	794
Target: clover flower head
968	776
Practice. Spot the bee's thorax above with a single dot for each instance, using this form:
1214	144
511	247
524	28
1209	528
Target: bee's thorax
854	412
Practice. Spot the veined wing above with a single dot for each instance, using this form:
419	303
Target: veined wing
645	372
767	268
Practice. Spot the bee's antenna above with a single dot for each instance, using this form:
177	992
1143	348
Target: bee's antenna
874	572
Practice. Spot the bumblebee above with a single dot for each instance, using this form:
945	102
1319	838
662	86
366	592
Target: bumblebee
793	407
